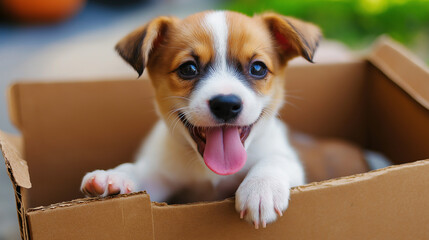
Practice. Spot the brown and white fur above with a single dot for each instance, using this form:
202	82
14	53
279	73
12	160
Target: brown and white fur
222	46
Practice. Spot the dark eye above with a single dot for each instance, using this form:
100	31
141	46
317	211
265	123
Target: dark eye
187	70
258	70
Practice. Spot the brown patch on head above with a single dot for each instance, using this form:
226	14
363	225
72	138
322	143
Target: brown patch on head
293	37
248	41
162	46
185	42
136	47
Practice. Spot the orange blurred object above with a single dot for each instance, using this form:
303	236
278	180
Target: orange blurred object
42	11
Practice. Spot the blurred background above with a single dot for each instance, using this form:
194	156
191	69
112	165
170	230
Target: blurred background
356	23
74	39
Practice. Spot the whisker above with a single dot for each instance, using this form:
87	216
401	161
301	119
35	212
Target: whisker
293	97
177	120
291	104
177	97
174	111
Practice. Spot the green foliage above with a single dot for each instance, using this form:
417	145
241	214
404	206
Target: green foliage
354	22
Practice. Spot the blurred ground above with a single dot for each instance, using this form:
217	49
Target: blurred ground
82	48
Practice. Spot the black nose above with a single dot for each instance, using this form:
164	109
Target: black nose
225	107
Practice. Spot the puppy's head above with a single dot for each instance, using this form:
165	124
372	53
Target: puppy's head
218	73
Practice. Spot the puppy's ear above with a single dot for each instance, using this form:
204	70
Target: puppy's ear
292	36
136	47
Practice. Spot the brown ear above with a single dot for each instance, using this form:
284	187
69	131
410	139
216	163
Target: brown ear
293	37
136	47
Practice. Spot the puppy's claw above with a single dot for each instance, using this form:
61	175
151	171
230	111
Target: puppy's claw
113	189
88	187
256	224
97	187
263	199
242	213
278	212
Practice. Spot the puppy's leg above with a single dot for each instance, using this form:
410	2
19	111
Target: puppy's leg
127	178
147	173
265	191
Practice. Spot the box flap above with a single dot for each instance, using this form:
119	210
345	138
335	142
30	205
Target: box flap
11	147
119	217
398	103
403	68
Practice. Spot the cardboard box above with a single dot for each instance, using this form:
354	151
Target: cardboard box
68	128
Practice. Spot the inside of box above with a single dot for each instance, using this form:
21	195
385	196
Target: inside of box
70	128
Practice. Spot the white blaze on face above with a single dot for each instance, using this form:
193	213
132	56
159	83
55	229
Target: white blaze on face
216	24
222	79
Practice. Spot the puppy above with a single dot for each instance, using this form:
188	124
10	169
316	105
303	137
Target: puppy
219	82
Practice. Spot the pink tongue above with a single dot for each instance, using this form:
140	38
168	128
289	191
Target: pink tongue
224	153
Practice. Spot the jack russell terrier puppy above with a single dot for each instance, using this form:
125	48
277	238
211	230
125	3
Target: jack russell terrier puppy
219	83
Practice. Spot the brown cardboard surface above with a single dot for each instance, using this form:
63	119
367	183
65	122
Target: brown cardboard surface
399	65
75	127
375	205
12	149
327	100
13	106
402	137
70	128
399	112
125	218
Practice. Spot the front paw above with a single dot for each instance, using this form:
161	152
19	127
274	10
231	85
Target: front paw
260	200
105	183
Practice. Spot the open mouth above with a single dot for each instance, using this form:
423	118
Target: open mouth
222	147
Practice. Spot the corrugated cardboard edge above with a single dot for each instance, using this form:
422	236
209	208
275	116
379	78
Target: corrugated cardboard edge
11	147
352	179
358	177
80	201
396	62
